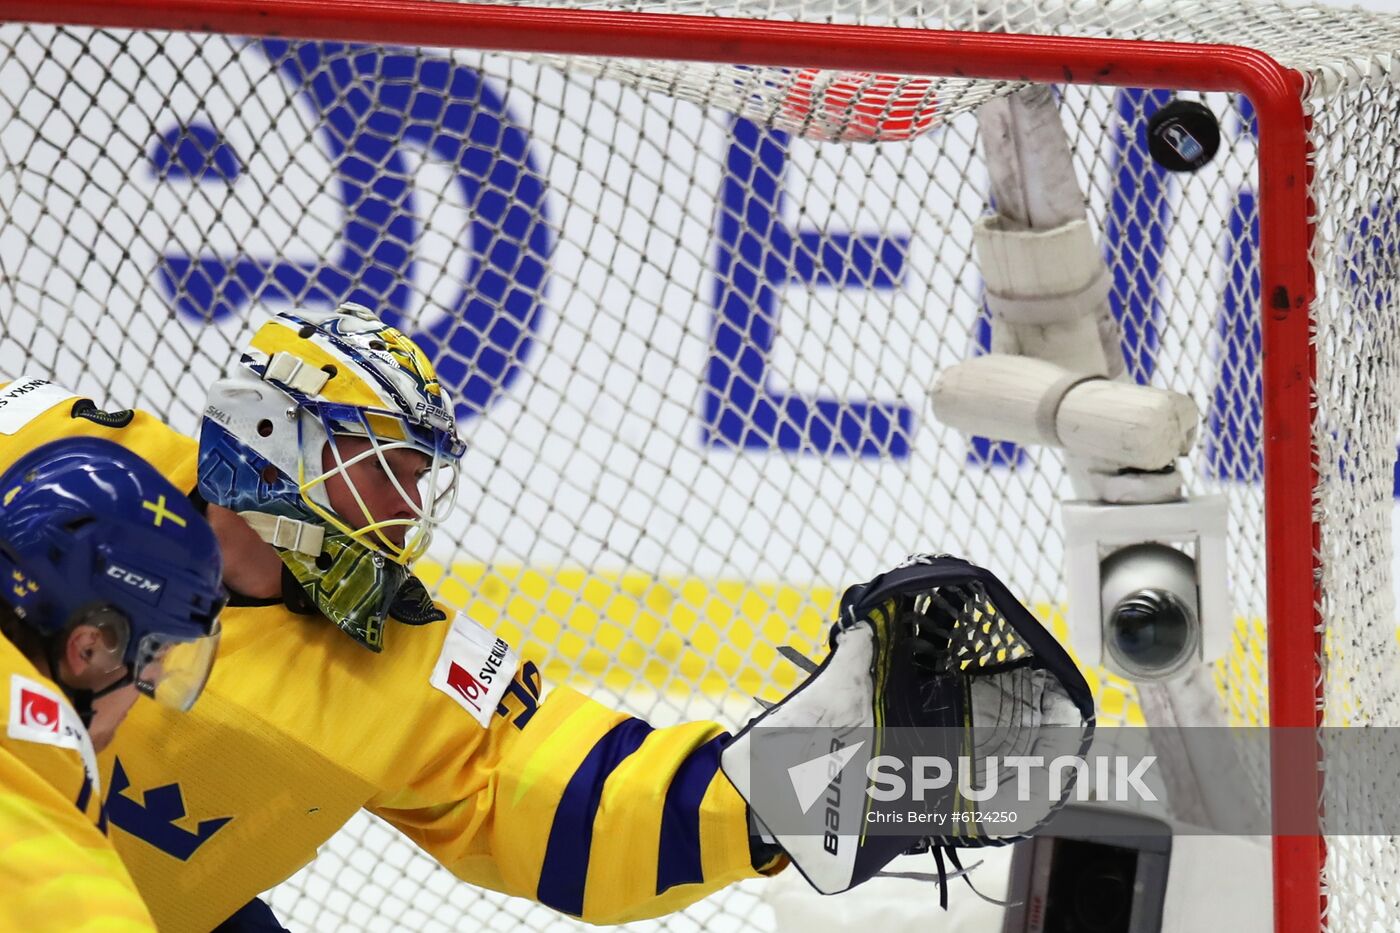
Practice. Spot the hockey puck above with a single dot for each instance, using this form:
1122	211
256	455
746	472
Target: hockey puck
1183	136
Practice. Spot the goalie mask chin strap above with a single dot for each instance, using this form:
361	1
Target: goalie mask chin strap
290	534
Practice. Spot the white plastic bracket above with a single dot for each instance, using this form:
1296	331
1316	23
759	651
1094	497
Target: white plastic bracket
287	533
290	371
1094	529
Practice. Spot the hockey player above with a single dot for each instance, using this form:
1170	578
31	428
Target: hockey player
325	462
111	587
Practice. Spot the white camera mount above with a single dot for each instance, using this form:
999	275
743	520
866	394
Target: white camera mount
1095	530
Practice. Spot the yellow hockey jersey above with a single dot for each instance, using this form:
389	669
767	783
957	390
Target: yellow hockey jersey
58	871
446	735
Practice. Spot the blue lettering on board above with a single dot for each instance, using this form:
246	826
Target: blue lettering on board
757	255
373	104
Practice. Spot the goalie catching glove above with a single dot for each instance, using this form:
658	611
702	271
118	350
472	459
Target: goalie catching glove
934	661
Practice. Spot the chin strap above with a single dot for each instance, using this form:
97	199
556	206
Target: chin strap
80	698
290	534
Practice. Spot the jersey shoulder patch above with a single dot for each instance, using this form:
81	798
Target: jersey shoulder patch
37	714
27	398
474	668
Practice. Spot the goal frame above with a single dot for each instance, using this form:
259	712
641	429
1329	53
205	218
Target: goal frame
1286	275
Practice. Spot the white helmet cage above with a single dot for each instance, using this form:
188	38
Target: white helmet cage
295	411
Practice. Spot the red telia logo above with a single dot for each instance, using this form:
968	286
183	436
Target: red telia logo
38	711
464	683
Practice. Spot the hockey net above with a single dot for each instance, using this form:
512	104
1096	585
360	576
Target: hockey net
691	313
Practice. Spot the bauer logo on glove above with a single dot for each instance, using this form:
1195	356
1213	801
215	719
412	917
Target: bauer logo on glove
938	679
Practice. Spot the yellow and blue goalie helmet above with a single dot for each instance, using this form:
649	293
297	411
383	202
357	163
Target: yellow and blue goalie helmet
274	436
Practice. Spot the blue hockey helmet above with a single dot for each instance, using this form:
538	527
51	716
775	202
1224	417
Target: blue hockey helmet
88	529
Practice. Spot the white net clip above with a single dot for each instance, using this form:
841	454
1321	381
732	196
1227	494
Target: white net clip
295	373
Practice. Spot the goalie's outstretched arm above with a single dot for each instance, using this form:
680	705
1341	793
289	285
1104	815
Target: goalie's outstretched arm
599	815
587	810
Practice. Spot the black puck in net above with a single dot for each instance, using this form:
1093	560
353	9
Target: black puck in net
1183	136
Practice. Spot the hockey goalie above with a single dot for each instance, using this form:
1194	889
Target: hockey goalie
323	464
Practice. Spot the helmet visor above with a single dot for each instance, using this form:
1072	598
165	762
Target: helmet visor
174	671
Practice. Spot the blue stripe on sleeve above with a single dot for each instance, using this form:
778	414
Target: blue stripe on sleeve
565	871
84	795
679	853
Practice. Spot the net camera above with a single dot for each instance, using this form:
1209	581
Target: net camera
1149	598
1148	594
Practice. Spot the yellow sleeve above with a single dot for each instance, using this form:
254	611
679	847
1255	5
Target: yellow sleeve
586	810
57	871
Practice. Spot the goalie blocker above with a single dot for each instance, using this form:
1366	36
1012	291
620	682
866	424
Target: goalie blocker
935	657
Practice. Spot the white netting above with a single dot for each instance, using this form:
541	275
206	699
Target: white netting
693	350
1355	248
1335	48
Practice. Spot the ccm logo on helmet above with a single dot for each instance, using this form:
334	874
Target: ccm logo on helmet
143	585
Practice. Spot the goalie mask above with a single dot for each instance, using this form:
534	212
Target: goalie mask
318	399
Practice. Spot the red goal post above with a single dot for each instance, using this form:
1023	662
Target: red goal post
1285	265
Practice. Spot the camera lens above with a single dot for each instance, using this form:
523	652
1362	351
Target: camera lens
1151	632
1149	604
